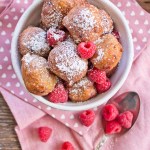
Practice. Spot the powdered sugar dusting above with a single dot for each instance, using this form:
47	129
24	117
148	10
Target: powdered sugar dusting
99	40
50	16
36	42
82	83
106	22
67	60
28	58
54	18
74	64
79	86
55	34
85	20
83	23
39	62
100	54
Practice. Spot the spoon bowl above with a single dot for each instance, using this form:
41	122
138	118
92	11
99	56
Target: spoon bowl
129	101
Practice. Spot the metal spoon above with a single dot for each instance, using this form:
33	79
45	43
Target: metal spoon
126	101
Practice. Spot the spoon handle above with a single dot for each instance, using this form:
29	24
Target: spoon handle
102	142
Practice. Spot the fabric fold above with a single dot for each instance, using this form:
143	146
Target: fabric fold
25	114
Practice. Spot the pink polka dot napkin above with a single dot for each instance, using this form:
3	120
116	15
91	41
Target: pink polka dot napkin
139	23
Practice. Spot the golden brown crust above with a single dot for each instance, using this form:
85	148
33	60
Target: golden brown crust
84	23
112	71
66	64
82	90
53	11
64	6
37	78
106	22
33	40
108	54
50	17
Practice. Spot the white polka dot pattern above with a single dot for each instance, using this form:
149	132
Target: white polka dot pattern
138	21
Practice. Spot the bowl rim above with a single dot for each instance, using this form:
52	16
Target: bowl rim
112	91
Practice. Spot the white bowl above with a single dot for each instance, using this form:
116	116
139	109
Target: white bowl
32	17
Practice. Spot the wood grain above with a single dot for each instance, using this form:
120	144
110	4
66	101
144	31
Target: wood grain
145	4
8	137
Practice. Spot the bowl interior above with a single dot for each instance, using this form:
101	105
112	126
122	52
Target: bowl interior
32	17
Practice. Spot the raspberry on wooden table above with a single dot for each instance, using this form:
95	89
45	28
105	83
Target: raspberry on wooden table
86	49
103	87
112	127
44	133
59	94
125	119
97	76
110	112
67	146
54	36
87	117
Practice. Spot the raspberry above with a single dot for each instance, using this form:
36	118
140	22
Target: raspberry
116	34
112	127
58	95
97	75
101	88
44	133
54	36
86	49
110	112
125	119
67	146
87	117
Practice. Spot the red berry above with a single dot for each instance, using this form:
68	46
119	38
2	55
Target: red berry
58	95
54	36
87	117
110	112
101	88
112	127
44	133
116	34
86	49
97	76
67	146
125	119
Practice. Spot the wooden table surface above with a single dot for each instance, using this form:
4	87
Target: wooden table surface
8	137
